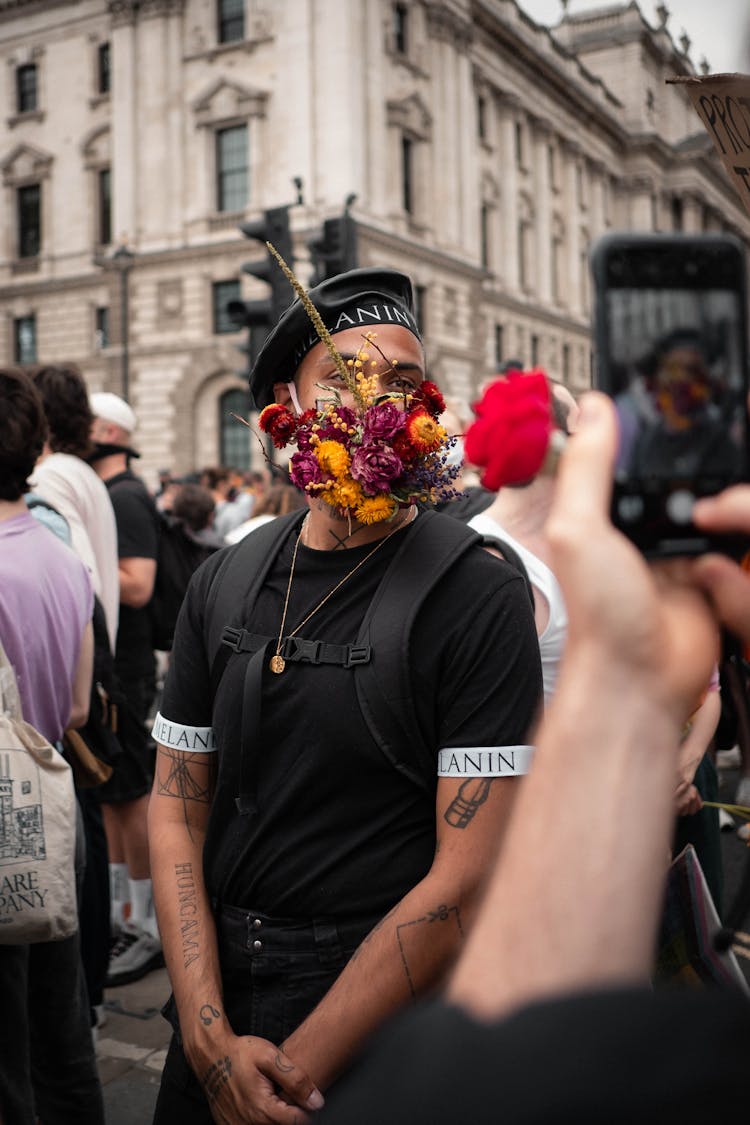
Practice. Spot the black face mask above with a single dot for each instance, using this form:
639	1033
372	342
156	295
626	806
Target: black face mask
106	449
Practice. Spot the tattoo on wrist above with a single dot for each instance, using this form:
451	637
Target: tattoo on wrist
216	1077
208	1014
188	911
187	777
463	808
282	1065
411	938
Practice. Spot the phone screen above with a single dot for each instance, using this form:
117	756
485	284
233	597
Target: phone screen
671	351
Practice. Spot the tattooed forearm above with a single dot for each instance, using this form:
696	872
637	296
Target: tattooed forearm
411	938
188	777
463	808
208	1014
375	929
217	1075
188	910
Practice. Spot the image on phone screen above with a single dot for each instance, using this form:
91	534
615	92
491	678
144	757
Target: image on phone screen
671	327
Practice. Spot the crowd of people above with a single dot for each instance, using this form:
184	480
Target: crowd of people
321	815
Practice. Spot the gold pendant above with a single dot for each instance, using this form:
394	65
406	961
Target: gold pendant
277	664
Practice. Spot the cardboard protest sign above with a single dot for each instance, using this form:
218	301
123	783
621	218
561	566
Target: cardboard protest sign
722	102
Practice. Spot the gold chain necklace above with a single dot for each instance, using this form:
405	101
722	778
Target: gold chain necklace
277	663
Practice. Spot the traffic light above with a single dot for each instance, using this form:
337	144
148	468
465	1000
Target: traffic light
335	250
260	315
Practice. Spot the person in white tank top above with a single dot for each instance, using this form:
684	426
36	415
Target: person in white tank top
518	515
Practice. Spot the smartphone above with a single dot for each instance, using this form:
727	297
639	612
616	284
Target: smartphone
670	328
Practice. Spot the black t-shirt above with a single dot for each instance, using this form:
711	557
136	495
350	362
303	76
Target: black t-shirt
618	1057
338	830
137	538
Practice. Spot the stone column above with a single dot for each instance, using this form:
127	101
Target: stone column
125	166
508	106
542	191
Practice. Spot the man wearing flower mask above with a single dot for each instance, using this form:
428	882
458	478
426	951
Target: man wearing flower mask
319	846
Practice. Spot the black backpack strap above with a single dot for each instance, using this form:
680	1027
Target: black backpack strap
233	591
429	549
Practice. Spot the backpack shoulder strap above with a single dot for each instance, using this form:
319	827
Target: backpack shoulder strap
511	555
237	582
430	548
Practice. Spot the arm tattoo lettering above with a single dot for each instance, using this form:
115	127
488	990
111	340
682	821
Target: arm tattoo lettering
217	1076
208	1014
463	808
410	936
187	777
188	910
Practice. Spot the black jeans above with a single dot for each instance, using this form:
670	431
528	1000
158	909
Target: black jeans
47	1061
274	972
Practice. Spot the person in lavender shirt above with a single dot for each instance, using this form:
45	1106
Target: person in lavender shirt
46	602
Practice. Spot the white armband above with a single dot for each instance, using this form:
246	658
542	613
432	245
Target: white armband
198	740
485	761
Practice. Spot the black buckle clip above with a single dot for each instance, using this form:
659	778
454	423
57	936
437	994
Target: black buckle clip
305	652
232	638
357	654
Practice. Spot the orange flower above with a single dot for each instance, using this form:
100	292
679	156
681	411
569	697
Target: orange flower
424	433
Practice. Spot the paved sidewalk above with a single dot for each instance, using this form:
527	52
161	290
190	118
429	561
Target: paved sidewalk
131	1047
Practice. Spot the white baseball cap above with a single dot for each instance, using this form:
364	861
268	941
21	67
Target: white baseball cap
112	408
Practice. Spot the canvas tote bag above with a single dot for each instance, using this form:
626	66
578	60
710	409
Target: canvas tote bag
37	829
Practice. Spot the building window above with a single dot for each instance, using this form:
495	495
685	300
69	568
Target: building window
552	167
29	221
231	20
24	339
654	211
556	269
407	174
524	256
222	292
104	179
677	212
401	28
26	89
482	118
499	349
581	186
534	350
234	442
566	363
420	307
484	236
519	145
101	329
103	76
231	168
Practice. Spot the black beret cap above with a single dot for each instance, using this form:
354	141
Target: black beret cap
360	298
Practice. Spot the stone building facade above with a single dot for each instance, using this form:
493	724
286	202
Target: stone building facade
486	154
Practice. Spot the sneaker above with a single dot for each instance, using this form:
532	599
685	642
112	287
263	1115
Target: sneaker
742	796
135	953
726	821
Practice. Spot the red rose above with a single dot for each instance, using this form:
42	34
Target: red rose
428	394
279	423
510	436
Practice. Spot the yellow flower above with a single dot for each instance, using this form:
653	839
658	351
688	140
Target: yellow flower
333	458
375	509
346	493
424	433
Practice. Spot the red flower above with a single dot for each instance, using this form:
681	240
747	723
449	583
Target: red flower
430	397
279	422
510	436
403	447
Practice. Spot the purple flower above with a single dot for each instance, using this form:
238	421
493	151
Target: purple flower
304	469
383	421
375	466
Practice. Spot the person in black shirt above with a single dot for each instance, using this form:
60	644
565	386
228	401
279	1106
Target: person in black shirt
309	880
124	798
